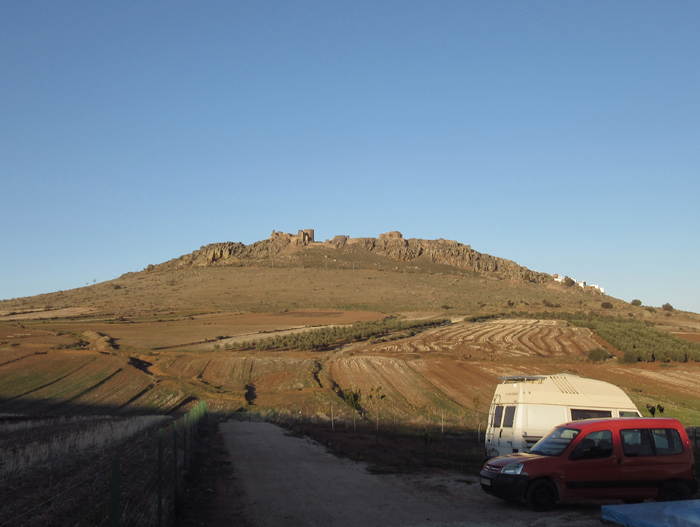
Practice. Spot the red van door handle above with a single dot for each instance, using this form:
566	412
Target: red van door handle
619	461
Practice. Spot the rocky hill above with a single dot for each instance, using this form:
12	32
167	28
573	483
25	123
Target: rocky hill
391	245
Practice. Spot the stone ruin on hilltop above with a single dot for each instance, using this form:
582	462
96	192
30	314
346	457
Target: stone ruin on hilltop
390	244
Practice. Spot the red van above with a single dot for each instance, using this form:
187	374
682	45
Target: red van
629	459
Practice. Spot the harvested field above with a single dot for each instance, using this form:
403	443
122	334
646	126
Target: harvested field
68	383
38	314
170	330
437	371
405	389
8	355
460	381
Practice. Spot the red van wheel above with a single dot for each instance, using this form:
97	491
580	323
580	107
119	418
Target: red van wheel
541	496
674	491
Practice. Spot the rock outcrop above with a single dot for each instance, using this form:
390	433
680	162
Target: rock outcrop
391	245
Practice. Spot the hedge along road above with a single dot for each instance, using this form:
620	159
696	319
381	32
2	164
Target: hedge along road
291	481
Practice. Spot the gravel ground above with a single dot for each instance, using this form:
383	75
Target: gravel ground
291	481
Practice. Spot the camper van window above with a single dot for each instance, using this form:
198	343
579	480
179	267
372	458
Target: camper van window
628	414
497	416
509	417
578	414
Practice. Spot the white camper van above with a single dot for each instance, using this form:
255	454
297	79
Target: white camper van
526	407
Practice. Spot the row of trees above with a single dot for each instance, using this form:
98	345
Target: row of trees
326	337
639	341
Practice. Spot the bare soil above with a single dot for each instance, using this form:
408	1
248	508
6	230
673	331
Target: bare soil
294	481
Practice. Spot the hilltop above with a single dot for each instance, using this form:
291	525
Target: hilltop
388	274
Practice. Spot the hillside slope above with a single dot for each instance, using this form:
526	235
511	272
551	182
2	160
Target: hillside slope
159	339
388	274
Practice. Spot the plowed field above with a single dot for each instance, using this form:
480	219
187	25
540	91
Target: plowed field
67	383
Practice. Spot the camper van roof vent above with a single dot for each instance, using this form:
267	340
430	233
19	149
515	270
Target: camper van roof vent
564	385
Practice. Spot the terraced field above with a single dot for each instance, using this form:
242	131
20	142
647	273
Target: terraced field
498	339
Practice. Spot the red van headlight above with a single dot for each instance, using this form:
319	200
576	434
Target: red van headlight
512	468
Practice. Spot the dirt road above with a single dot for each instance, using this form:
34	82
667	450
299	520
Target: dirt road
291	481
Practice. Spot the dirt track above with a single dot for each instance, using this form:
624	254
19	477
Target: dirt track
291	481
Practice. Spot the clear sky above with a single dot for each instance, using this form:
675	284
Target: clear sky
562	135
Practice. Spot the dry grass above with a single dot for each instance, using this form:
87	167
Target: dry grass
79	435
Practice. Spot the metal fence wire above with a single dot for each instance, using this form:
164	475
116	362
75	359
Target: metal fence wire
136	485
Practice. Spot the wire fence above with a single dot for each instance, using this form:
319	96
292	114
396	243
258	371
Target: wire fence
135	484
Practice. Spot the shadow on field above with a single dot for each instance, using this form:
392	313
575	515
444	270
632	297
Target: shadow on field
24	406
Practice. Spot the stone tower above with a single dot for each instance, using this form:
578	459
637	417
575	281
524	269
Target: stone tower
305	237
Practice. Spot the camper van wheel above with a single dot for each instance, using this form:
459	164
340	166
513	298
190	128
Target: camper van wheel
541	495
674	491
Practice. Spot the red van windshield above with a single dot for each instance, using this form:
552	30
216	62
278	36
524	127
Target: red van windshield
555	442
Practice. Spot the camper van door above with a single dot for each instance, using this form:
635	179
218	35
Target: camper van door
503	422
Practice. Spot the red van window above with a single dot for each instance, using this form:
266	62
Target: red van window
667	441
509	417
636	442
497	416
595	445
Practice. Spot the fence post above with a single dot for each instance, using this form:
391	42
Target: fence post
114	512
194	422
160	477
175	459
184	438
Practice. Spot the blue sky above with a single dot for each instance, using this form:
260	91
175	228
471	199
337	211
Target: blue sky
562	135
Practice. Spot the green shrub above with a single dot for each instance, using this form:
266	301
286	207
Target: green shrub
598	354
650	309
636	302
630	357
667	307
606	305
